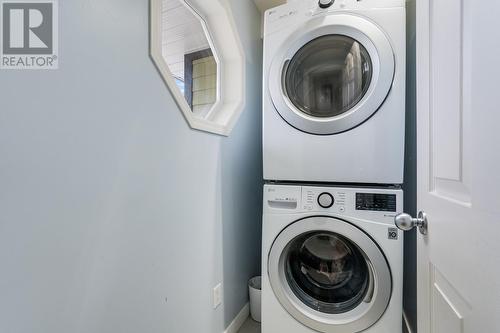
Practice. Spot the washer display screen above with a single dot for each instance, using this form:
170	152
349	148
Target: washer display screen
376	202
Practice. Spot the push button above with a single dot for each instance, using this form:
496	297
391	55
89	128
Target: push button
326	200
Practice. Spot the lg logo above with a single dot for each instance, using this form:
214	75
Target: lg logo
29	34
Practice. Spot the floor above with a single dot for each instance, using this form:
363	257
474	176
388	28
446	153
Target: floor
250	326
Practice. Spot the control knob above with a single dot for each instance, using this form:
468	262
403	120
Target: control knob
326	3
326	200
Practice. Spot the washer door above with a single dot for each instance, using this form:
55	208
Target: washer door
329	275
332	74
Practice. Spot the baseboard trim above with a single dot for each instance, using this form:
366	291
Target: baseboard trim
239	320
407	323
242	316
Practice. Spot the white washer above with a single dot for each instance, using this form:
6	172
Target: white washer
334	91
332	260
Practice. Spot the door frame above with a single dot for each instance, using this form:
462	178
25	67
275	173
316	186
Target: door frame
423	100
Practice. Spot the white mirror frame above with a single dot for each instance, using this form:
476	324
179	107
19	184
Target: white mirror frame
217	20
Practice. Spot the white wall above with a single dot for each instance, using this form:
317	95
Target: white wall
109	203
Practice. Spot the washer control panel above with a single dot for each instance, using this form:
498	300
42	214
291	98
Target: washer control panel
323	199
381	204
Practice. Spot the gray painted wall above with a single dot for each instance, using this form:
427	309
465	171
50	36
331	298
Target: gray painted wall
109	203
410	186
242	177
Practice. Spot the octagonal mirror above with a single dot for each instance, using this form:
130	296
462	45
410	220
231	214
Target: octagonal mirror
197	51
189	53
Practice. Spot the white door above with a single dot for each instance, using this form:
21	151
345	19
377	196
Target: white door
458	106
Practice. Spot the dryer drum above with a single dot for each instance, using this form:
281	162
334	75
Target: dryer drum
331	75
328	76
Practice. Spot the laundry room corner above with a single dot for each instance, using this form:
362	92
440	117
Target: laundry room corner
241	173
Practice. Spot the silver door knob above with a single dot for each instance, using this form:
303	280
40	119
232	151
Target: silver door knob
406	222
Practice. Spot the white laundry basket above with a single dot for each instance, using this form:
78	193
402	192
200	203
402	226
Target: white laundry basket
254	289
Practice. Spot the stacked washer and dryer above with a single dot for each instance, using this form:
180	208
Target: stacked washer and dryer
334	119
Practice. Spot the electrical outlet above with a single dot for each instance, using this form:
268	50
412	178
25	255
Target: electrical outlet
217	295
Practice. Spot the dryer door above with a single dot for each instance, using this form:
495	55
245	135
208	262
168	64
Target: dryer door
329	275
332	74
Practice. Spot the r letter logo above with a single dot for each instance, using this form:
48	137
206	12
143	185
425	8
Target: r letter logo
29	34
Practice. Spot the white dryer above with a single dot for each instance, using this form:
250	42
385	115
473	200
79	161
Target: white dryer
332	260
334	91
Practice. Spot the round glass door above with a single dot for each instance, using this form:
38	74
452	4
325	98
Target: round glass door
327	272
331	74
328	76
329	275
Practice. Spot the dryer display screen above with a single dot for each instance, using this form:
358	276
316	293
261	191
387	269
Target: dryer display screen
376	202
